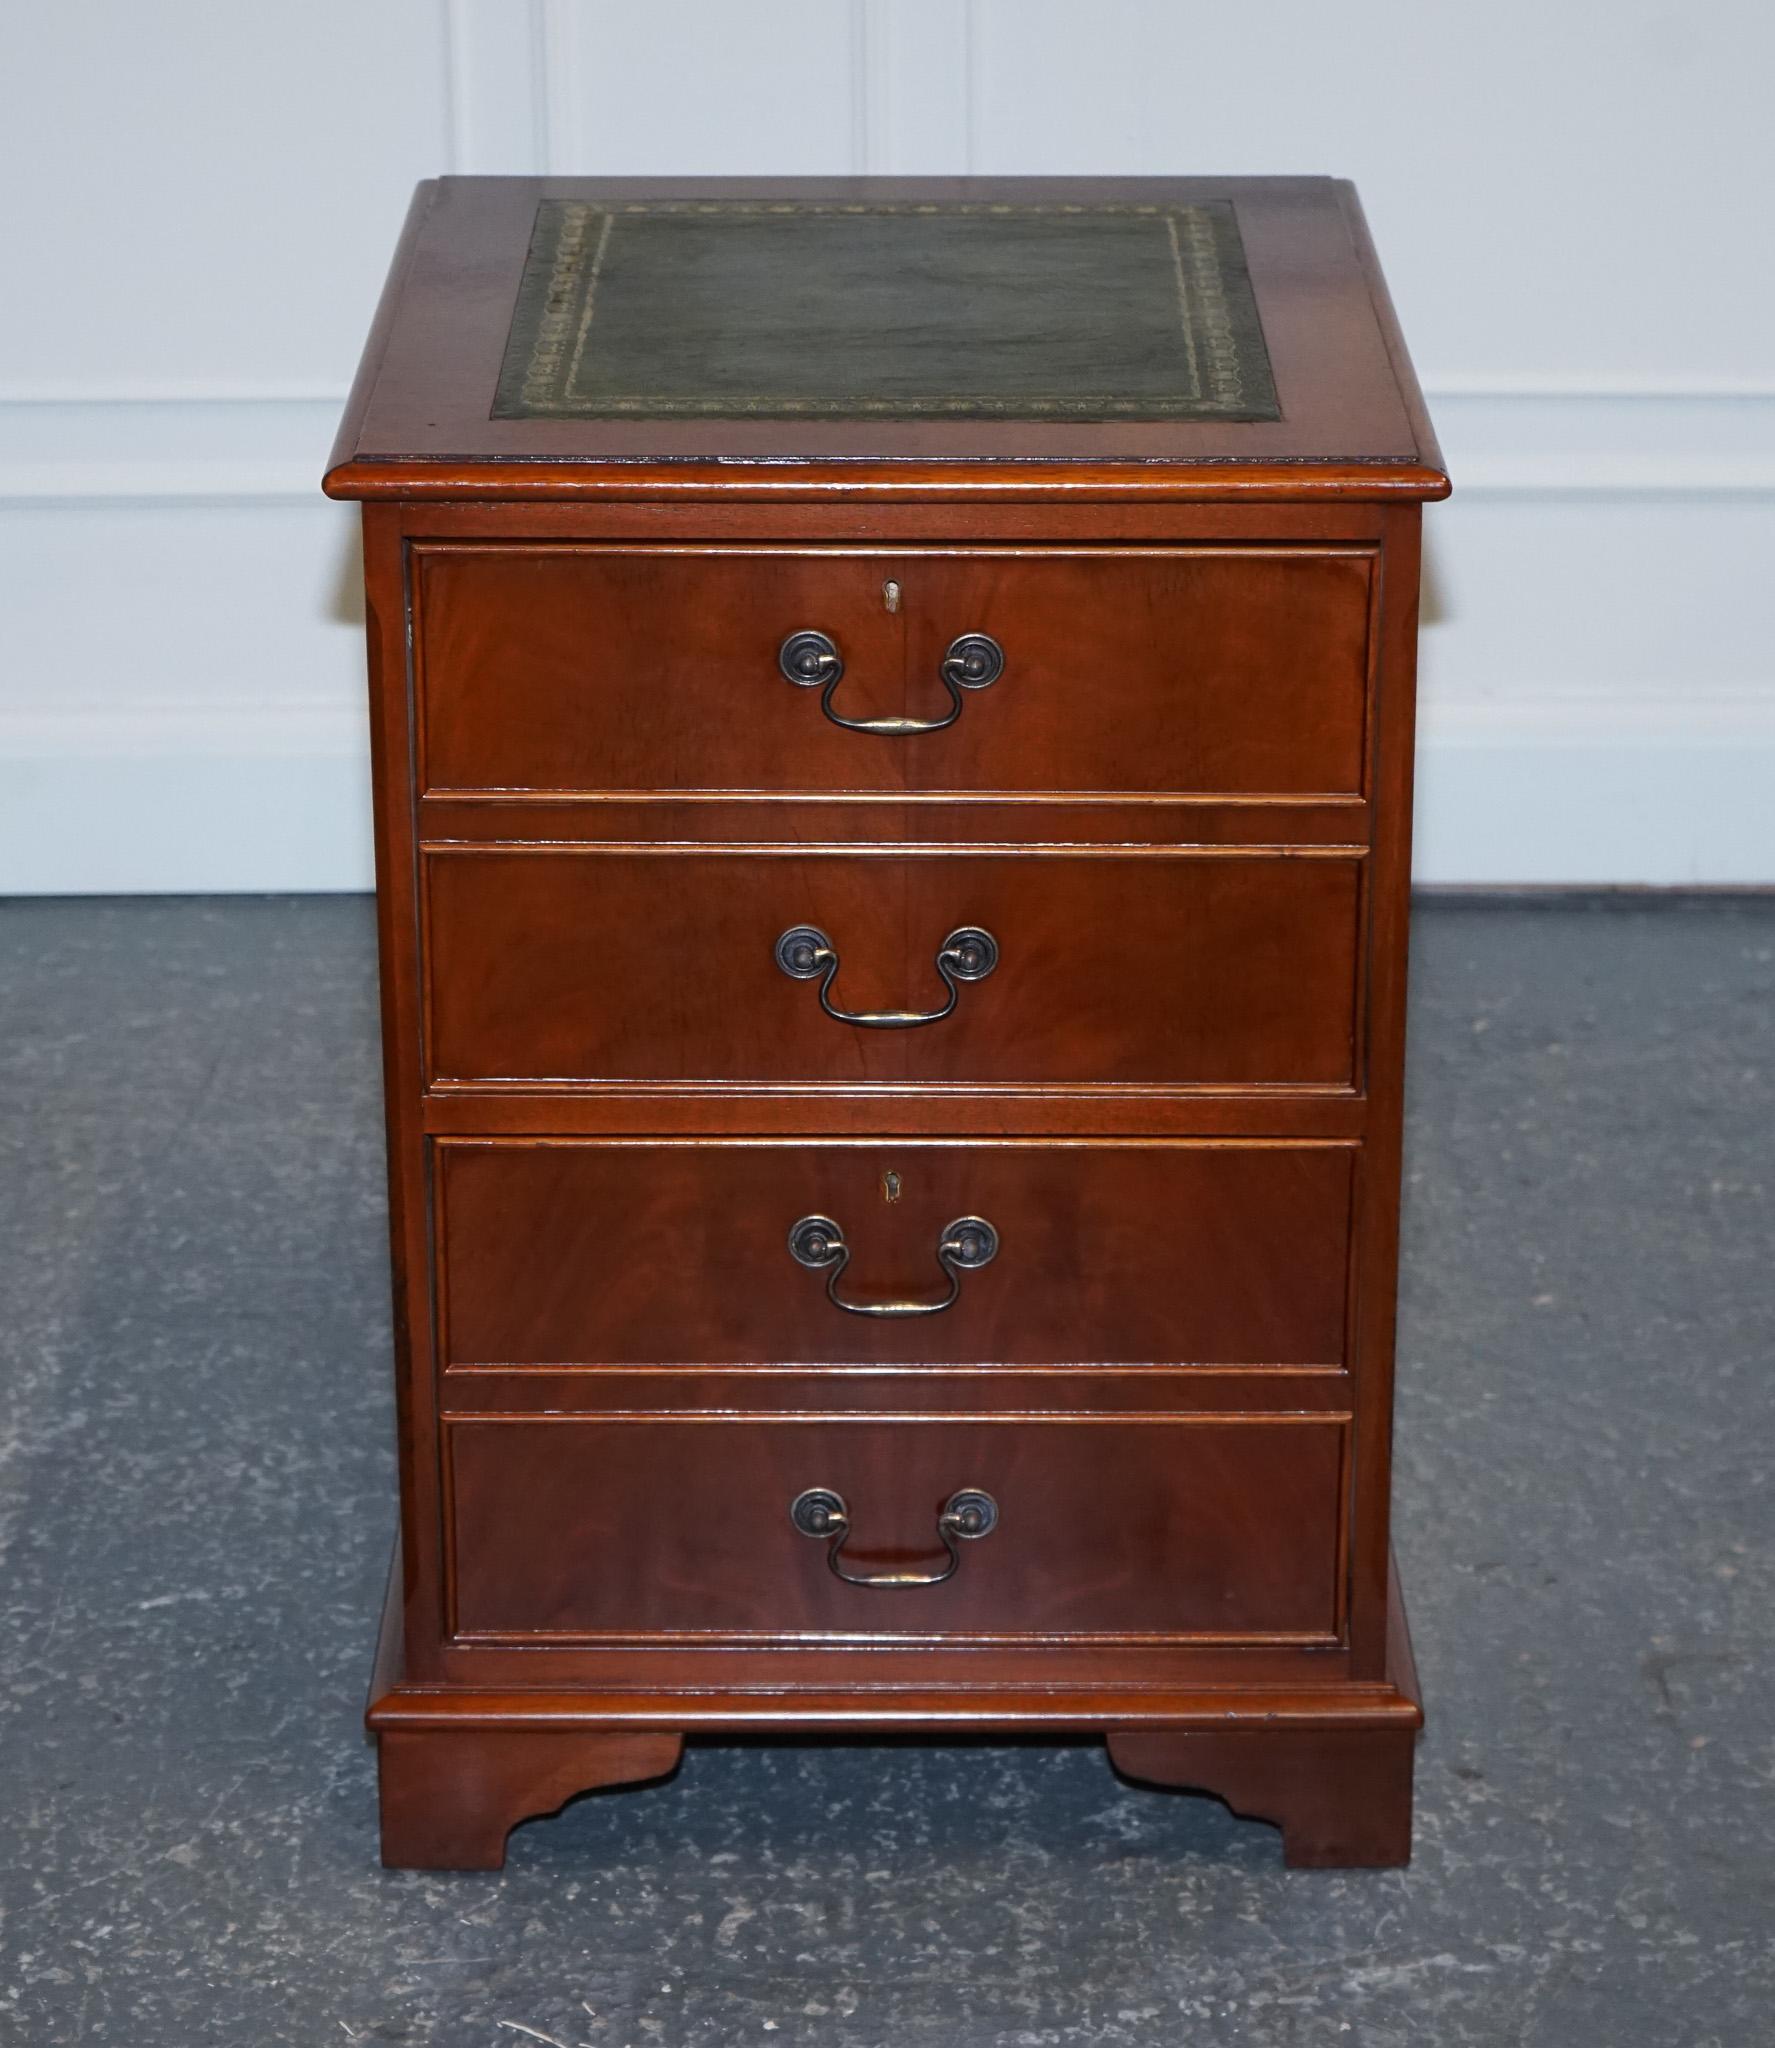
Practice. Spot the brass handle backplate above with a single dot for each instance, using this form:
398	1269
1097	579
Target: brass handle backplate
969	1243
812	662
965	1517
968	954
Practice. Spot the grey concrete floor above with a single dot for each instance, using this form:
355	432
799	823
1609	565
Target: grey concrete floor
195	1508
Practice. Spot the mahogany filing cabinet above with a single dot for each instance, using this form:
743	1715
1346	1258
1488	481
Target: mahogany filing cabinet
892	715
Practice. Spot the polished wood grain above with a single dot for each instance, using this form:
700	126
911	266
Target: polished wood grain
1056	819
1377	1242
676	1109
1342	1797
1341	1794
687	1684
1175	1527
451	1797
420	424
397	917
978	1387
1328	1761
1242	671
873	512
605	1253
653	964
1056	483
1179	1097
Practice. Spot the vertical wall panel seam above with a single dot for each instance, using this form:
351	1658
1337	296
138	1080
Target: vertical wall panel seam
452	56
970	96
863	140
557	34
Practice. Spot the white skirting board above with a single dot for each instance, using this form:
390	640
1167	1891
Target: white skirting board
1505	809
181	646
211	819
181	669
1514	808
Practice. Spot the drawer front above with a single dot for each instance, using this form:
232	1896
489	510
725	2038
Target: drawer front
1184	1527
588	1252
1240	671
1158	968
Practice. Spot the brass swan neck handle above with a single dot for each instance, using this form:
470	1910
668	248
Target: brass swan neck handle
812	662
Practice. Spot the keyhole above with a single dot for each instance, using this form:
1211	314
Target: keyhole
890	1186
890	595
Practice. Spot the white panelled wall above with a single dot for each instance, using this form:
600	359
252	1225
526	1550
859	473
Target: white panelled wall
1572	203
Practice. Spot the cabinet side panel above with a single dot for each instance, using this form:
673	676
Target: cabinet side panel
385	585
1377	1219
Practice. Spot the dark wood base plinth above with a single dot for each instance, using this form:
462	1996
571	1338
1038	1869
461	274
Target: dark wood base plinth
1341	1796
450	1797
1337	1785
1330	1766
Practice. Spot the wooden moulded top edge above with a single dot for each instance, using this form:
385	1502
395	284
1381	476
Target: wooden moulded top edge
419	425
975	481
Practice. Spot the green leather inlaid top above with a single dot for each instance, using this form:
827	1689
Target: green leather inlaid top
787	309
